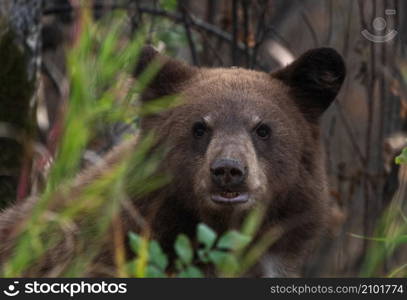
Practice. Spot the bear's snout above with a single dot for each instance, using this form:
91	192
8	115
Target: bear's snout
229	176
228	173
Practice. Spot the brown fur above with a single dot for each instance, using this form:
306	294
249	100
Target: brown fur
285	173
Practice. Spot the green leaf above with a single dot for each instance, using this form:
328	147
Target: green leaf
135	241
225	261
157	256
154	272
206	235
191	272
402	158
376	239
401	239
397	271
183	249
131	267
229	264
217	257
203	255
233	240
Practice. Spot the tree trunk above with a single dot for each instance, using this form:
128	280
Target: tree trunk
19	61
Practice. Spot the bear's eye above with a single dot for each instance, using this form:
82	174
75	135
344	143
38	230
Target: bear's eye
199	129
263	131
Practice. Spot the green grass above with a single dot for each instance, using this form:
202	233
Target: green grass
94	80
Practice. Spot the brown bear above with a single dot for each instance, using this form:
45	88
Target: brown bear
240	139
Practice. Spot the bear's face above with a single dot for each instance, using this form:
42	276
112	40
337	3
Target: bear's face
240	137
231	139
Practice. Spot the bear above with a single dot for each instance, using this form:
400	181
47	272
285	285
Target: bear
239	140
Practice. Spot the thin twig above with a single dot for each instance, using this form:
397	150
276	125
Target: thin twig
186	24
347	32
351	135
246	24
234	32
331	16
310	28
259	34
176	17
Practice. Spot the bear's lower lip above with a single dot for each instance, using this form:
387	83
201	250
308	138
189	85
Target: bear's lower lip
230	197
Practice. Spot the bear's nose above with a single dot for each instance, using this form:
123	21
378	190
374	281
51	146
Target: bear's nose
227	172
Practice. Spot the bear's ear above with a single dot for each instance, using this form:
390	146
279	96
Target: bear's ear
315	79
171	74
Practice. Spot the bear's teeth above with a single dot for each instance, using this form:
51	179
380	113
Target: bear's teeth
229	194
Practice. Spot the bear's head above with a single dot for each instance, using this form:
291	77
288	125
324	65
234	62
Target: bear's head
241	137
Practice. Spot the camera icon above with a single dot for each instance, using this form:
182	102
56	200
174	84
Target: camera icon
12	290
379	25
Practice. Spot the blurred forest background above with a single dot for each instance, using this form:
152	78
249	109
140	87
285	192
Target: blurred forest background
363	131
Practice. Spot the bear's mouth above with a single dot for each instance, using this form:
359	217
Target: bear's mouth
228	197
